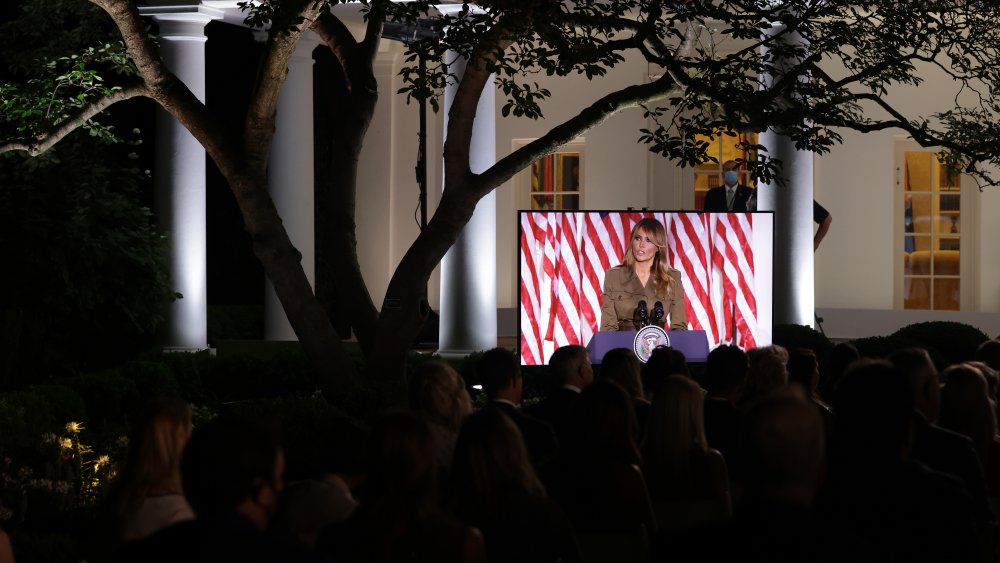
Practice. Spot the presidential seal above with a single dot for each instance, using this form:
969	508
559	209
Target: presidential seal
647	339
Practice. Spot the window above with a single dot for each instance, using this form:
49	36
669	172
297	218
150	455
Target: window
553	182
932	233
723	147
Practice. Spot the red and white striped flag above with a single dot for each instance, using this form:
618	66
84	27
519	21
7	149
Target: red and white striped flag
564	256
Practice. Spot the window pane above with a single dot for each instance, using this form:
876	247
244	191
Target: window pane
569	172
946	180
946	294
543	202
950	214
918	207
568	201
918	262
541	175
916	293
946	261
712	150
918	171
705	182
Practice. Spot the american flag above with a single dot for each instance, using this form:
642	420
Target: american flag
564	256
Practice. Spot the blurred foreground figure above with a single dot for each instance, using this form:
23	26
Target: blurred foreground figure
233	472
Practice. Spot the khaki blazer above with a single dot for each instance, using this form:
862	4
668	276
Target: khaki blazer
623	291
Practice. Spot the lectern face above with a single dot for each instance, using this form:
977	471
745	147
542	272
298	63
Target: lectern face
725	260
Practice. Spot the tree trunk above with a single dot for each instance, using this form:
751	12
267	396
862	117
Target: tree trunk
283	264
346	116
405	307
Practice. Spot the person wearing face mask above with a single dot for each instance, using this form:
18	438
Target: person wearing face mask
735	197
731	196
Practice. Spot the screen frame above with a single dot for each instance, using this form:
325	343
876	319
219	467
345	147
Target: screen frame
763	241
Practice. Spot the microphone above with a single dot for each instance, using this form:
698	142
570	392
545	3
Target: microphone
657	314
641	314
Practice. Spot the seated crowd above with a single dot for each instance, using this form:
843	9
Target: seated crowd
771	454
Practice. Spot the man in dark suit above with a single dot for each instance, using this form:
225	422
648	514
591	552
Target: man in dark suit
500	374
731	196
570	367
939	448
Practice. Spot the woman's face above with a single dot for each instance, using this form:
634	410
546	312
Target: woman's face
643	247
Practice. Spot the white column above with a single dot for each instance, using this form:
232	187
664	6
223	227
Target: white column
468	271
794	275
291	175
180	176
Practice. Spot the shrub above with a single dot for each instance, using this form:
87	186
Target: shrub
882	346
187	370
800	336
152	378
956	342
28	413
109	399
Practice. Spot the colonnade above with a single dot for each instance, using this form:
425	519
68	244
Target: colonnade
468	287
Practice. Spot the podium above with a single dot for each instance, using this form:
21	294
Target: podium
693	343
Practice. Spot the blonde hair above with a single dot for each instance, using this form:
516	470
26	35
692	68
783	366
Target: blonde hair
767	370
155	451
438	393
663	282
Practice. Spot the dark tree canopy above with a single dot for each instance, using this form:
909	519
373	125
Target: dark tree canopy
807	69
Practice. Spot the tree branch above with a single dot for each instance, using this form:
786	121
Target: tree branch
590	117
169	91
262	110
44	141
337	37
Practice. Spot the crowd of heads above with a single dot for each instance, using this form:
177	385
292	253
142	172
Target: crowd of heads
833	446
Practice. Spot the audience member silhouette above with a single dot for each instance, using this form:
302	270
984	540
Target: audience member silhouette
148	495
785	460
766	372
569	367
677	462
596	476
803	372
309	506
725	374
784	471
992	378
966	407
989	353
897	508
500	374
622	366
438	394
399	517
939	448
833	368
232	471
493	487
663	362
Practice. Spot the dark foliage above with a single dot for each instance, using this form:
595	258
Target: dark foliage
956	342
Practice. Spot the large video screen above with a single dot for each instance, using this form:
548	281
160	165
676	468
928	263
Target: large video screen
725	260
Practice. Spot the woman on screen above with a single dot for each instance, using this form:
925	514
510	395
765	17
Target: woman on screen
643	276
